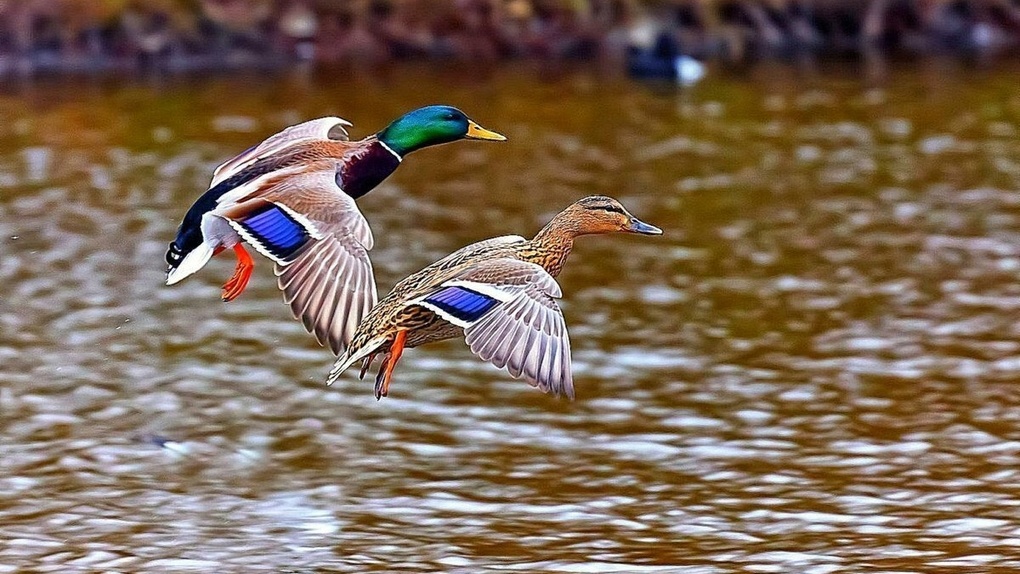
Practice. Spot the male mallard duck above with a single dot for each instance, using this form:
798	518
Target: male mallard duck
664	61
499	294
292	198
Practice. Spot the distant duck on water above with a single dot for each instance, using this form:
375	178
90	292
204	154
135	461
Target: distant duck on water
664	60
292	199
499	294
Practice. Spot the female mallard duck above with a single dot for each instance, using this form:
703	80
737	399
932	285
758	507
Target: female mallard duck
499	294
292	198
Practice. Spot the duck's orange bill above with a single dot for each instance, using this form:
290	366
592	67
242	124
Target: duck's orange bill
477	132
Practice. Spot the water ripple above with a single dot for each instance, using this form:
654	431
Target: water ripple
813	370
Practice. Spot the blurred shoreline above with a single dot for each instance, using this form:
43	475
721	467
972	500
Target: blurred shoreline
67	37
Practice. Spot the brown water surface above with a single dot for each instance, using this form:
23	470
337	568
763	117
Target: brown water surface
814	370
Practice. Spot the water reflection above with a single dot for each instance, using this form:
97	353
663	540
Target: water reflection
812	371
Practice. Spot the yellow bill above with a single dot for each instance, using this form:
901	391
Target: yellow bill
477	132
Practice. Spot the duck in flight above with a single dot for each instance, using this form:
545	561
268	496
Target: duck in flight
291	198
499	294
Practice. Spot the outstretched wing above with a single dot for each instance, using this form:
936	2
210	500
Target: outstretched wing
510	318
330	128
330	288
319	241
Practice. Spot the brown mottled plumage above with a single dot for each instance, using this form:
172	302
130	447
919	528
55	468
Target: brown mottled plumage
499	293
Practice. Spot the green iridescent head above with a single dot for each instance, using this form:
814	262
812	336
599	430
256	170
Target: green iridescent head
432	125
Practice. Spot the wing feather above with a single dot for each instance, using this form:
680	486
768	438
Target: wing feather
329	128
503	351
525	333
310	195
298	268
352	302
328	281
332	291
316	292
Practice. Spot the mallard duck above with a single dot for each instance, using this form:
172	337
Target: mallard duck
292	199
499	294
664	61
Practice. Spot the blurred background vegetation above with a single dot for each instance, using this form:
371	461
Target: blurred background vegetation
103	35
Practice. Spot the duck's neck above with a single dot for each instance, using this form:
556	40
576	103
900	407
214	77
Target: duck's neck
362	172
552	245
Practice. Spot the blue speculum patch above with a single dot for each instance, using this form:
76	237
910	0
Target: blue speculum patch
276	230
462	303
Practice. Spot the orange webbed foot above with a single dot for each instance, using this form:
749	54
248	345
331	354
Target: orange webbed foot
382	380
242	274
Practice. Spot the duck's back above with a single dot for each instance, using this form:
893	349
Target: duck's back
455	263
423	325
232	186
189	233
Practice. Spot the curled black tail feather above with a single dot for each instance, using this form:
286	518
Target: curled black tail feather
174	255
